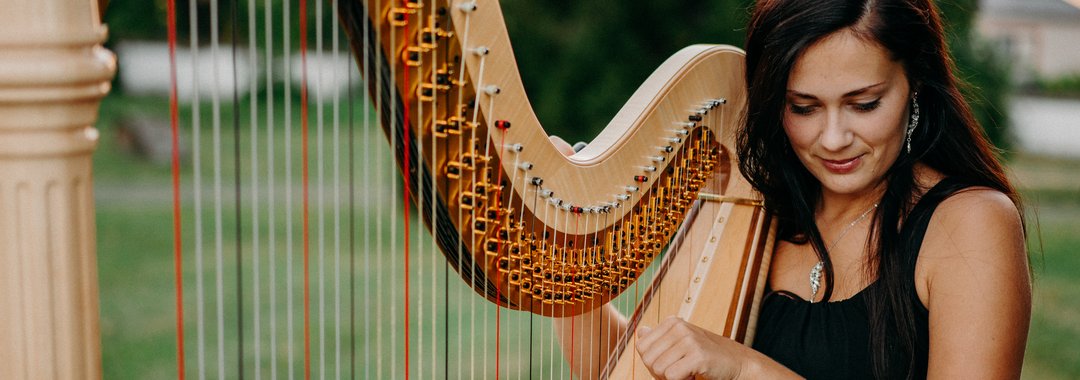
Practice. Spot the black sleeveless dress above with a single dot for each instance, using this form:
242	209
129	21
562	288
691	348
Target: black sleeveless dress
831	340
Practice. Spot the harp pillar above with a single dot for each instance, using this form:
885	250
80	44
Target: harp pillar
53	74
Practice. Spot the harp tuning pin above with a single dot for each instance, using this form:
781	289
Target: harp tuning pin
695	117
481	50
526	166
720	101
516	148
467	7
546	193
622	197
492	90
675	140
555	201
656	158
681	132
686	124
666	148
537	181
648	168
501	124
632	189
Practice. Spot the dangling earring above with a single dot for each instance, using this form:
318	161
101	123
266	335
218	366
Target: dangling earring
914	119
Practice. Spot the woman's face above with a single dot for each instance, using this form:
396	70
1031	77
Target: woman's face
846	111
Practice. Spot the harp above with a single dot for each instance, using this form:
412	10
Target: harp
640	177
535	233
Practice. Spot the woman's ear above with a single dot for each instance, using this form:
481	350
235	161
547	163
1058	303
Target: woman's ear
914	87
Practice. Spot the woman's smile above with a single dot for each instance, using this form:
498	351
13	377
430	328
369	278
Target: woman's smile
842	166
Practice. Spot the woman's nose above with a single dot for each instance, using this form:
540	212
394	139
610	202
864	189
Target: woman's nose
836	135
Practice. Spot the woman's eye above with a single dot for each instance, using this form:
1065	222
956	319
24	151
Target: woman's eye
869	106
801	110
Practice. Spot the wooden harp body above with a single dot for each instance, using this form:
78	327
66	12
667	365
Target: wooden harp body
528	228
507	209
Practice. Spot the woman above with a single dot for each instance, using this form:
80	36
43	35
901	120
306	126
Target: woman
901	250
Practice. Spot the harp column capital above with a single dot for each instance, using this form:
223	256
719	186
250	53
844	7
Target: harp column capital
53	74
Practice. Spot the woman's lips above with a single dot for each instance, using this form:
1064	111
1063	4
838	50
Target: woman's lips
842	166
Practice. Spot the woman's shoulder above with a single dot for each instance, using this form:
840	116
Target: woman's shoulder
975	220
974	242
968	212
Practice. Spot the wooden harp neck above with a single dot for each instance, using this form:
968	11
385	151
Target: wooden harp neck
539	231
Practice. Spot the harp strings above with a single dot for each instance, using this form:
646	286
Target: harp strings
369	325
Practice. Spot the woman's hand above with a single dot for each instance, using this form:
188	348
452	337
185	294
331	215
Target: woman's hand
677	350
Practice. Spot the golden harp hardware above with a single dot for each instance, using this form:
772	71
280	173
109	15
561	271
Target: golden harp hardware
489	160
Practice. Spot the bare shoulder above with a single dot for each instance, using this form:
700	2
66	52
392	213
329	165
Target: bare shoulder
974	244
974	222
972	275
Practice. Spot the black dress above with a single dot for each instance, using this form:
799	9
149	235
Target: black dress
831	340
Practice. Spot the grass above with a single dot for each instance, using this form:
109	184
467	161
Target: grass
134	221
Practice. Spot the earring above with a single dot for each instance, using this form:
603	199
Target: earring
914	119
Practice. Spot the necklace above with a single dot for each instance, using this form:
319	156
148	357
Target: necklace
815	272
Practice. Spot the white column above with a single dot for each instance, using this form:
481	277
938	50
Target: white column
53	74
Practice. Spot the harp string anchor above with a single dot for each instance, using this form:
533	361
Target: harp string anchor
480	50
467	7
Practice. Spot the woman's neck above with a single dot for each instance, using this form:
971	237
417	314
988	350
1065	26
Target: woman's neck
845	207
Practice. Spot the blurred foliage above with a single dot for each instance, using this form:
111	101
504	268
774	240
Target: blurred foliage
146	20
581	60
986	73
1068	86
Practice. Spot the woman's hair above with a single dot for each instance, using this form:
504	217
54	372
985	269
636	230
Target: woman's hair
947	139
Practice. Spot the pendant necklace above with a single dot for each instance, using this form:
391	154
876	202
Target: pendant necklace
815	272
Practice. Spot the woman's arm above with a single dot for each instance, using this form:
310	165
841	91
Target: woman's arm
973	277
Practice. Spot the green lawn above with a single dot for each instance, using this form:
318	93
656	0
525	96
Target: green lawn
134	221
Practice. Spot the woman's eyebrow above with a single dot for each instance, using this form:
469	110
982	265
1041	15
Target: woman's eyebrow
849	94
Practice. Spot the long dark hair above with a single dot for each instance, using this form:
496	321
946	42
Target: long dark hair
947	139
